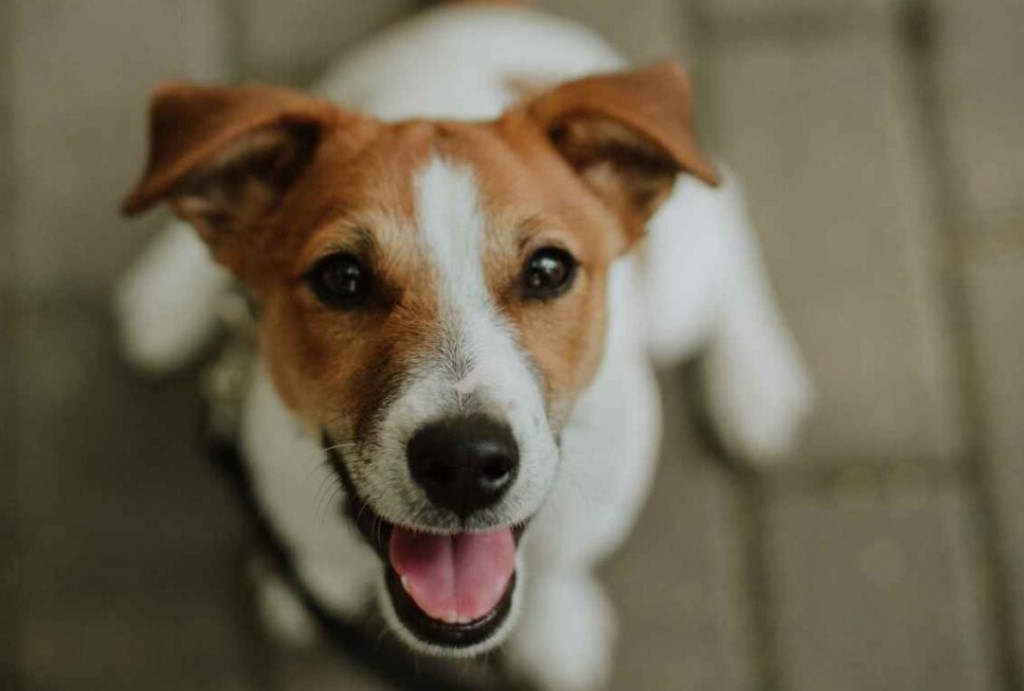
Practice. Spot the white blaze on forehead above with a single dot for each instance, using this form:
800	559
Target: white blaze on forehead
452	224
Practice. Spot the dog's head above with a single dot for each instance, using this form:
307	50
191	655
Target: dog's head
431	297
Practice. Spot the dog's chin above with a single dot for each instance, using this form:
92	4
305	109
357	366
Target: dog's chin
419	591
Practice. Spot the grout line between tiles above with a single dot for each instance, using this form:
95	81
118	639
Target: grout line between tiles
919	25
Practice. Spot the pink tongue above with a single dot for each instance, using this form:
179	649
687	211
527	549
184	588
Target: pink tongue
454	578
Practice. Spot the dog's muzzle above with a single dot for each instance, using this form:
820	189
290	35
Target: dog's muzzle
451	591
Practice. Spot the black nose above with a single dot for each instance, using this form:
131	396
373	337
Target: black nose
464	464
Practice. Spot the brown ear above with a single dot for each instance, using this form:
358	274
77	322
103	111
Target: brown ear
223	156
627	135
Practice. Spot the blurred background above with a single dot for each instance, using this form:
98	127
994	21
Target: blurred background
882	143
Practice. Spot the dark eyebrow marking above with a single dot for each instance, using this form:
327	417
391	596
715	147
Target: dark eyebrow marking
527	229
355	239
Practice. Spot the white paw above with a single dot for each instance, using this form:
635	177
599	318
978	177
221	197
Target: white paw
564	641
166	303
759	394
282	614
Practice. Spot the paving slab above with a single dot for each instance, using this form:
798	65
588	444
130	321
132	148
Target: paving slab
326	673
321	669
979	53
650	30
8	467
80	84
823	134
995	283
876	587
681	581
792	16
295	42
975	55
130	543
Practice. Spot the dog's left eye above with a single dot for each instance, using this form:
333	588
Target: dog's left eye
340	281
548	273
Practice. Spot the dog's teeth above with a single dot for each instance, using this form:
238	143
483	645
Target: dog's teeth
405	585
451	617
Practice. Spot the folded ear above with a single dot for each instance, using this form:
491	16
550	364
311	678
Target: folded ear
224	156
627	135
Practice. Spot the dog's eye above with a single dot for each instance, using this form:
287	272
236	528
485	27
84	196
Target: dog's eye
548	273
340	281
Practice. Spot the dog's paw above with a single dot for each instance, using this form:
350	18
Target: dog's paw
167	304
759	394
564	641
280	612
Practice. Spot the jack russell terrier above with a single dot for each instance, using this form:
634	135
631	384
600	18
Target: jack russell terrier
463	285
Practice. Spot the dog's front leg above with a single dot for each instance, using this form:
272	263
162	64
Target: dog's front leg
706	289
167	302
281	613
565	639
758	389
302	500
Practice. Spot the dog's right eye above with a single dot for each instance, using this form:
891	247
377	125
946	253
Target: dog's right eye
548	273
340	281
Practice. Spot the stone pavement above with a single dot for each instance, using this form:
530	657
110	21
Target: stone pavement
882	144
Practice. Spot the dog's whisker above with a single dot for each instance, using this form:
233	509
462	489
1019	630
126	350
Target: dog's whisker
334	492
345	447
323	490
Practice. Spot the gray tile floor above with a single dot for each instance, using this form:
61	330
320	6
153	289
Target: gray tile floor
882	143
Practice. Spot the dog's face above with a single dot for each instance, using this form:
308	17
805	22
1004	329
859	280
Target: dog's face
431	298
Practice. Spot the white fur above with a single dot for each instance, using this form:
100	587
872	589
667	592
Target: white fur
698	283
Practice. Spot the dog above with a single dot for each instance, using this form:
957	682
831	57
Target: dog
467	256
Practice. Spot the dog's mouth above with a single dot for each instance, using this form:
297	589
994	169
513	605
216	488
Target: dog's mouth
452	590
448	590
